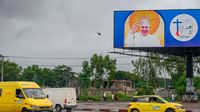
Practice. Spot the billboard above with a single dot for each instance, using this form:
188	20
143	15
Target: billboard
156	28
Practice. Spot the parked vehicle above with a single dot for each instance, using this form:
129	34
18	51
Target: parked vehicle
153	103
23	97
62	98
190	98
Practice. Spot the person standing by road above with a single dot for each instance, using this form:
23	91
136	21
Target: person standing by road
104	96
113	96
173	97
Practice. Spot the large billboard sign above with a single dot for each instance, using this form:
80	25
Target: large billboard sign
156	28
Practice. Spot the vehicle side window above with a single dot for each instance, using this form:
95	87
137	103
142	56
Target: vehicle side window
143	99
155	100
19	94
0	92
134	100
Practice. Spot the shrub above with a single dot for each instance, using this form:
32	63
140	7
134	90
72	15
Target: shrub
83	98
94	98
145	90
121	97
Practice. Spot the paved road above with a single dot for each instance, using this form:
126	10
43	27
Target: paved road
123	105
103	105
116	106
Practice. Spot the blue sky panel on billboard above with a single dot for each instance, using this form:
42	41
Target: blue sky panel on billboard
156	28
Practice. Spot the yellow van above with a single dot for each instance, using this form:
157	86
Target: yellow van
23	97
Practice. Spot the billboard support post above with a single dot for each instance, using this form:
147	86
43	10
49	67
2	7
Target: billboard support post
189	73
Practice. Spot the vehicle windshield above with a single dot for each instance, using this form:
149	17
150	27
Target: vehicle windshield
34	93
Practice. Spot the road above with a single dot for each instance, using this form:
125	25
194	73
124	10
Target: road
116	106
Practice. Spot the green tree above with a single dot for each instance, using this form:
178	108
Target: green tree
101	68
123	75
110	65
97	66
153	68
63	74
196	82
12	72
98	69
181	85
145	90
197	64
196	79
149	69
120	75
175	68
84	77
48	77
33	73
42	76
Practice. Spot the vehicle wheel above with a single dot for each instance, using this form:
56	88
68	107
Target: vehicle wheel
68	109
134	110
169	110
58	108
25	110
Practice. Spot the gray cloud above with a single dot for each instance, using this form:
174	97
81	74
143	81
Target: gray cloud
21	9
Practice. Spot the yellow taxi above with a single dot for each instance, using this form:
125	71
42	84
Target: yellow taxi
153	103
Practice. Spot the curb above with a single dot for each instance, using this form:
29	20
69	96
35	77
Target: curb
192	110
114	110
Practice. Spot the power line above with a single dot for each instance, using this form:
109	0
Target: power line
46	65
60	58
25	57
55	58
147	56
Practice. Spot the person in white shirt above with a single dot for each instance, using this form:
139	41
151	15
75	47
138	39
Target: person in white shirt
173	97
105	96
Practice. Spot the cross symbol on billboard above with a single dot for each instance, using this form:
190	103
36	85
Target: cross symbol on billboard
177	22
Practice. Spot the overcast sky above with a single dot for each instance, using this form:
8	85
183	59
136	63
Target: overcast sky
67	28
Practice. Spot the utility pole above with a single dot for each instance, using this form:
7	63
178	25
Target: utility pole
2	60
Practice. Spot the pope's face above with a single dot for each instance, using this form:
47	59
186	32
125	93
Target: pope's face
144	29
